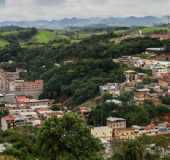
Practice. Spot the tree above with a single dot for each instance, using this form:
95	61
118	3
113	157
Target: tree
131	150
68	138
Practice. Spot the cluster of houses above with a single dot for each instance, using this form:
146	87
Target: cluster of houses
158	85
27	111
116	129
19	98
148	86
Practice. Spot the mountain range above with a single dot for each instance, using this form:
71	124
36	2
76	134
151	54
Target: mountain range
89	22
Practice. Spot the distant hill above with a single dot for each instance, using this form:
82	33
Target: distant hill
89	22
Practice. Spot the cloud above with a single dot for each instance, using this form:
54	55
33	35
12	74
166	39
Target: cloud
50	2
57	9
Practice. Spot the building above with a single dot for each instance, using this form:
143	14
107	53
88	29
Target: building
10	83
124	134
110	88
29	88
47	113
116	123
164	36
7	80
104	133
12	121
130	76
140	95
25	102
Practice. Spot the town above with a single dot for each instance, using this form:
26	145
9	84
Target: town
146	79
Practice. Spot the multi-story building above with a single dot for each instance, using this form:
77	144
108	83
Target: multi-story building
104	133
29	88
25	102
124	134
10	83
116	123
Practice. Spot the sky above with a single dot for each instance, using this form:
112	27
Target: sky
58	9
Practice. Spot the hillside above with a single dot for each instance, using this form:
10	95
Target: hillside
73	63
90	22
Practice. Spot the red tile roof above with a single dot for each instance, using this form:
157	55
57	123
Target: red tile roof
9	118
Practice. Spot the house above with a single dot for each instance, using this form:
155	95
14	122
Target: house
164	36
104	133
25	102
130	76
140	95
84	111
116	123
45	113
164	80
110	88
124	134
12	121
7	122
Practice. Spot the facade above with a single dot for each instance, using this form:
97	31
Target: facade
25	102
12	121
7	80
124	134
116	123
104	132
10	84
29	88
110	88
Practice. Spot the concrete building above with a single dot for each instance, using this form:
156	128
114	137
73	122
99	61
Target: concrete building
104	133
116	123
110	88
10	83
124	134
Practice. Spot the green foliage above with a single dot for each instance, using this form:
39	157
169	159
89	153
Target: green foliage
134	114
166	100
23	142
133	46
68	139
138	149
99	114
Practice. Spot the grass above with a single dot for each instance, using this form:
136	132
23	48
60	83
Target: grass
44	36
3	43
153	29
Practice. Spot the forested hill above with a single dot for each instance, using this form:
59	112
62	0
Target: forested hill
72	63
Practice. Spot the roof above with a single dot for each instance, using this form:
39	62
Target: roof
155	49
22	99
9	118
114	119
130	71
143	90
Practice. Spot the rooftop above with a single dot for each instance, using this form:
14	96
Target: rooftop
114	119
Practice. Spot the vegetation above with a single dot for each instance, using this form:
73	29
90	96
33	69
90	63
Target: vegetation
135	115
90	59
144	148
67	138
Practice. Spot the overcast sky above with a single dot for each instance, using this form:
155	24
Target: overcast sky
57	9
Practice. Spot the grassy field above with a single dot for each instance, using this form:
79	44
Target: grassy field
3	43
153	29
44	36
